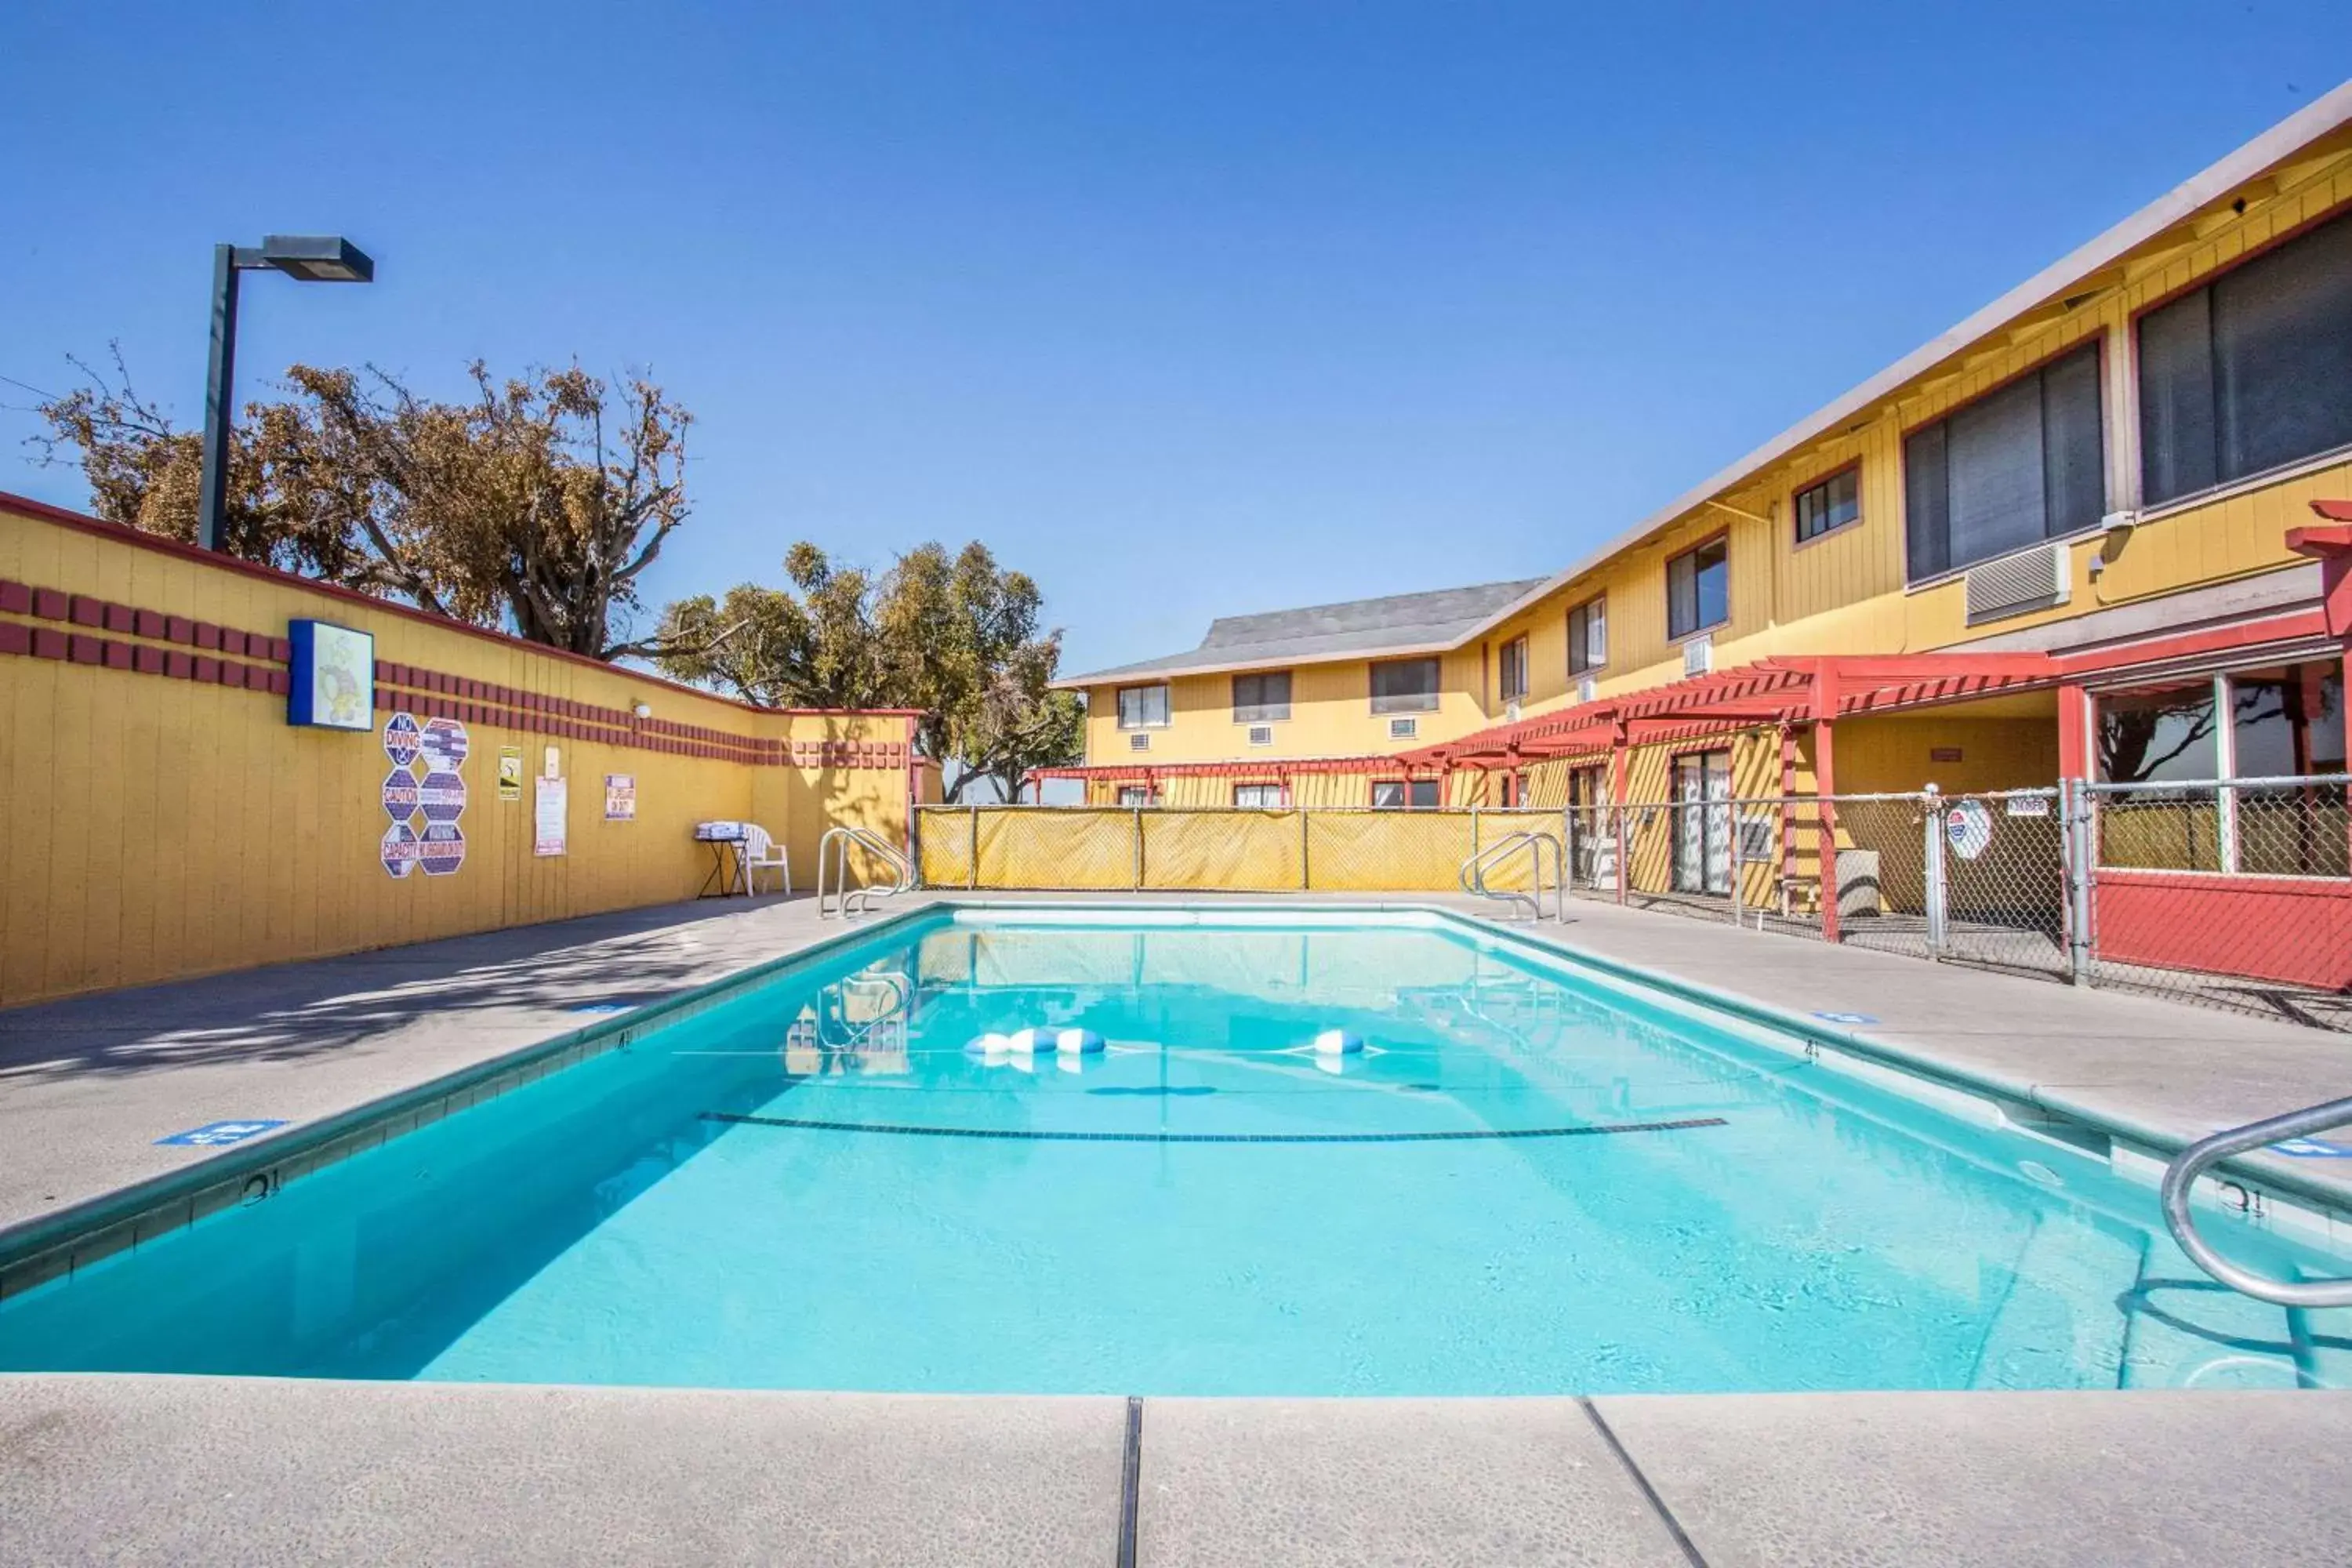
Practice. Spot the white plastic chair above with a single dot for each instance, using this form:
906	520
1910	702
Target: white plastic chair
762	853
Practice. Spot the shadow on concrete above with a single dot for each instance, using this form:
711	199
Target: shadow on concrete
313	1007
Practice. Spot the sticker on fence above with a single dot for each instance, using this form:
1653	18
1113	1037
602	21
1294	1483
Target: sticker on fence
1968	828
2029	805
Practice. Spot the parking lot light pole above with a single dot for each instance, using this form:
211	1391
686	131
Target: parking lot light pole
308	257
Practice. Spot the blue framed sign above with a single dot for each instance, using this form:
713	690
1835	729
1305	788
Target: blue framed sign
332	685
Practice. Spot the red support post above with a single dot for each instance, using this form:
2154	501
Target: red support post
1825	706
1618	771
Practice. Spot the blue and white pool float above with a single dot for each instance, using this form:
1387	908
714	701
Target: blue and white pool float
1338	1043
1077	1042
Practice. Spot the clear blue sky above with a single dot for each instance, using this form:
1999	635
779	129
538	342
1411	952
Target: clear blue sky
1186	309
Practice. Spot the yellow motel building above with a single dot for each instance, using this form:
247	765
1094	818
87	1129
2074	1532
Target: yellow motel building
2084	535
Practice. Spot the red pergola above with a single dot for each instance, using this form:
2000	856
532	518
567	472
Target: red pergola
1816	691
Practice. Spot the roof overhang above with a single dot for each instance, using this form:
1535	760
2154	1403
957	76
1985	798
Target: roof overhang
1155	674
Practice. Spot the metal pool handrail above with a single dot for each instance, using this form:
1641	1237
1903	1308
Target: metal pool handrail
2180	1179
836	845
1472	877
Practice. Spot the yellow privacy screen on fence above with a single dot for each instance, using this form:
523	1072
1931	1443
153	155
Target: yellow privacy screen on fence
1248	851
1081	848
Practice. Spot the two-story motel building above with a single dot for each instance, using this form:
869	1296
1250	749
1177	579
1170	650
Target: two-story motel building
2083	516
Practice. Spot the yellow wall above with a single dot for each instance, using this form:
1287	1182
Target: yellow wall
158	827
1331	715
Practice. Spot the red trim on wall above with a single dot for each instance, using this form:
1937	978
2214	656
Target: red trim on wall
430	693
2289	929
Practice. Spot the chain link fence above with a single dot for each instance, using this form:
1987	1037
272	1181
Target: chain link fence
2234	894
2230	893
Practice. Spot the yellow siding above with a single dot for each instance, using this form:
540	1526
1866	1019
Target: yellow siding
160	828
1331	715
1845	592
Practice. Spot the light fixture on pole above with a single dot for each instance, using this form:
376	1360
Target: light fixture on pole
306	258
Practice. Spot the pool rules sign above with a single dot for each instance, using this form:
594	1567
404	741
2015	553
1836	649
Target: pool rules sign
425	795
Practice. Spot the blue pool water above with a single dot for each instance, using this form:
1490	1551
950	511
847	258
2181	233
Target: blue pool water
814	1185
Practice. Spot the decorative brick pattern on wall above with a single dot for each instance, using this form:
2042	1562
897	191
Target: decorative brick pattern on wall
182	649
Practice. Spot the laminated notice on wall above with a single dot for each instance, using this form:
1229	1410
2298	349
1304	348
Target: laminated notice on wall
620	797
553	806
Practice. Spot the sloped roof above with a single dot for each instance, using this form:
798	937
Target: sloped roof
1399	624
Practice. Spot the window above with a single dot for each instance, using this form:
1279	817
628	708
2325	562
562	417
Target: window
1405	686
2158	734
1702	796
2251	371
1404	794
1136	794
1511	669
1261	796
1588	635
1698	588
2018	466
1261	698
1143	707
1832	503
2283	722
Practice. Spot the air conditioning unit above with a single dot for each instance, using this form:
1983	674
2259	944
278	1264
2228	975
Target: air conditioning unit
1261	735
1588	689
1699	656
1403	729
2035	579
1511	711
1139	741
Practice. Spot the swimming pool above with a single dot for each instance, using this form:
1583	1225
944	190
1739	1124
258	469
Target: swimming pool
1532	1177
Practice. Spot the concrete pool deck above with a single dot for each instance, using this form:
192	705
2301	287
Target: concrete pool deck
271	1471
156	1469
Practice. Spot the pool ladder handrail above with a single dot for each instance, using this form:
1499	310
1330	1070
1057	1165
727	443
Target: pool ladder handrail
855	1035
2181	1181
1472	877
833	850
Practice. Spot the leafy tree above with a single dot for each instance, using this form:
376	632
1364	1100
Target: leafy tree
957	636
536	503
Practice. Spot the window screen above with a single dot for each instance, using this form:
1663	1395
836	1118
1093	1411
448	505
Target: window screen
1698	589
2016	466
1259	796
1588	635
1143	707
2252	372
1261	698
1405	686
